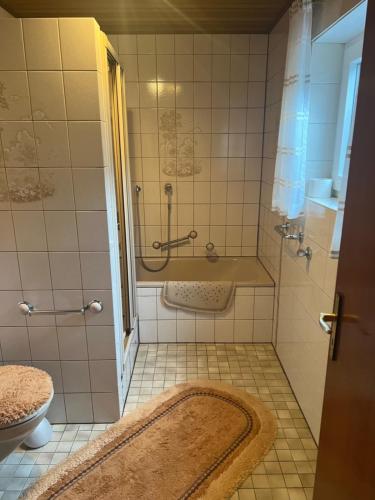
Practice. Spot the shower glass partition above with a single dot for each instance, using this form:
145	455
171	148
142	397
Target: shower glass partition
122	190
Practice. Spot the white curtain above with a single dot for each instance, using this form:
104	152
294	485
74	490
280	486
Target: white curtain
290	170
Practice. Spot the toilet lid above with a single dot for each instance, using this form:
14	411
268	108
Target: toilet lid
23	391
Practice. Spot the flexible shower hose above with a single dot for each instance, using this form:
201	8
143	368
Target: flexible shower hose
165	263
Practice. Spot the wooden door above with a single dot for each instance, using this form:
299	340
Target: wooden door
346	459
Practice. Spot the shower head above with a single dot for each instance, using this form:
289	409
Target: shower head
138	188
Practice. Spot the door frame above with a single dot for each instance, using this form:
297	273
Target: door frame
345	469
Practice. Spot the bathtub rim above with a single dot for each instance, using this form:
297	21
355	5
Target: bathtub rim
269	283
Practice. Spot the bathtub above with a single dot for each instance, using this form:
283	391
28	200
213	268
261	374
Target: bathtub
249	319
244	271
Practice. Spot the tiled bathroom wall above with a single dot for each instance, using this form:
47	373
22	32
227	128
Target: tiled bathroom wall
302	289
195	116
54	249
249	319
326	73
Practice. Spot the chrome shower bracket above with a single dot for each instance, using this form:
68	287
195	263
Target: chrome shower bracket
168	189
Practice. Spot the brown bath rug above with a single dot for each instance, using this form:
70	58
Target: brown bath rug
195	440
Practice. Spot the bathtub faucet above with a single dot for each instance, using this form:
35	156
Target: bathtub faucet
158	244
212	255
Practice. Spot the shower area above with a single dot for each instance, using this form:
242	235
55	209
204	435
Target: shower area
195	112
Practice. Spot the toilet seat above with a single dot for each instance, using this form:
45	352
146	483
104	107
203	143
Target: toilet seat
25	392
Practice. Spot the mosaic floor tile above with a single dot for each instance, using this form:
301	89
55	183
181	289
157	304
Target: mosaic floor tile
287	471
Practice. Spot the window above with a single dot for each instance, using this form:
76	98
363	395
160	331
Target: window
347	109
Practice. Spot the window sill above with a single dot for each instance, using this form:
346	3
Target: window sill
331	203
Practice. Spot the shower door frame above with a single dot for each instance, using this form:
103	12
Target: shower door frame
123	190
118	192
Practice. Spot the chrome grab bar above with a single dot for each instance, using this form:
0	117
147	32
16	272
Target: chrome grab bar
158	244
27	309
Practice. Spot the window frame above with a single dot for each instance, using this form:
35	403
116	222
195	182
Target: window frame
347	107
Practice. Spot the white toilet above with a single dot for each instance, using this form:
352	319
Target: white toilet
25	396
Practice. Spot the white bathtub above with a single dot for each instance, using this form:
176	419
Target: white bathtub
249	319
244	271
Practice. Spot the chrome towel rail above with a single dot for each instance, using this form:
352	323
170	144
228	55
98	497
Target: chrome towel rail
95	306
158	244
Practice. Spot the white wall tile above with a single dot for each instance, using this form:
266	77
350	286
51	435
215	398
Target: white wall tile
221	44
52	144
62	197
95	270
148	332
186	330
10	275
184	44
15	96
78	43
224	330
92	231
85	144
47	95
78	408
106	407
244	307
101	342
127	44
147	308
35	271
72	342
18	141
42	44
262	331
103	375
43	343
205	330
243	330
30	231
14	342
263	307
167	330
75	375
202	44
65	270
61	229
13	58
7	241
82	95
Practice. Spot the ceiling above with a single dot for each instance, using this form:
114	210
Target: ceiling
161	16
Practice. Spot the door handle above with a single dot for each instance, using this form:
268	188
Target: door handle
329	322
325	319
